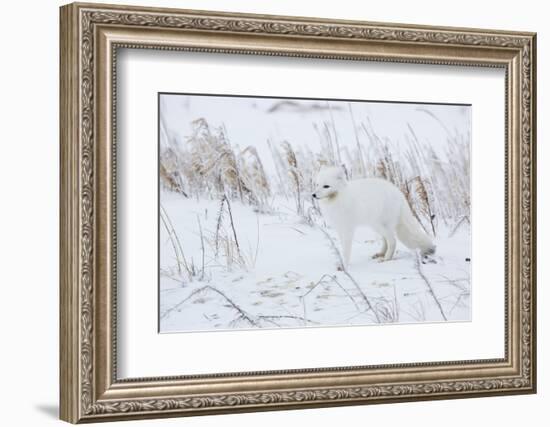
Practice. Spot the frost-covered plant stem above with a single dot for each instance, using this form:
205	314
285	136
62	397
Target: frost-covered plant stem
344	270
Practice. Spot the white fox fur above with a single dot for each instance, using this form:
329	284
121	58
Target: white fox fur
371	202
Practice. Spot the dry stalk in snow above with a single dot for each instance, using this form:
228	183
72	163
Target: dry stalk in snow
461	221
252	320
348	275
294	173
202	247
418	264
388	308
325	279
176	245
228	241
241	312
233	226
219	222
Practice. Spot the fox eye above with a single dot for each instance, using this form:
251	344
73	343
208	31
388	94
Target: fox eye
326	186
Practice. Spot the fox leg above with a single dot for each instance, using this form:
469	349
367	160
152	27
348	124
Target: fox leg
389	238
346	238
383	250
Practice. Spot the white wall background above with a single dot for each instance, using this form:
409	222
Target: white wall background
29	170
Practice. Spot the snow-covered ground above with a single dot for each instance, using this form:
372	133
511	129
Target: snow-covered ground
286	273
242	244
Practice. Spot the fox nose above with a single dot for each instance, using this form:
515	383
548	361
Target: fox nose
314	195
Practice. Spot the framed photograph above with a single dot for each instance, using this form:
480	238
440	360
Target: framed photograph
267	212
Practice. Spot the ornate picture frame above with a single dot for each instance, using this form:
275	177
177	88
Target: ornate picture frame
91	34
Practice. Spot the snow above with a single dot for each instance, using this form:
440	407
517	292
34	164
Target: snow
291	282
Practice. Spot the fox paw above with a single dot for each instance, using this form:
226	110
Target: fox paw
427	259
379	255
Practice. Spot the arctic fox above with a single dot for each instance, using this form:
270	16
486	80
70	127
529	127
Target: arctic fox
373	202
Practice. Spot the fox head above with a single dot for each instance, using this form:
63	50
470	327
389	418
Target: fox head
329	181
